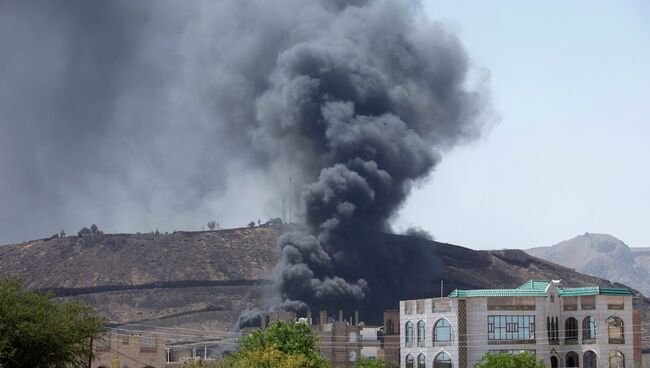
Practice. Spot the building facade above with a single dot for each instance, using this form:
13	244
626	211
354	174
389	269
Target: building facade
590	327
129	350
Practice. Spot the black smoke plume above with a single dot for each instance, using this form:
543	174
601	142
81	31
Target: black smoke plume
143	115
366	104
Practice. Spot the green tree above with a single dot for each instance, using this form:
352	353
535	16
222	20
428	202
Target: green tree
282	344
373	363
84	231
504	360
35	332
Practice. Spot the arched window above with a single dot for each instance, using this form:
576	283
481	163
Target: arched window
390	327
554	362
615	330
616	359
442	331
409	333
353	336
409	361
442	360
421	334
572	360
588	328
571	330
422	361
589	359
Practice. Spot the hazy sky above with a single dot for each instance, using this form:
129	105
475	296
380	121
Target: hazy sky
115	113
571	153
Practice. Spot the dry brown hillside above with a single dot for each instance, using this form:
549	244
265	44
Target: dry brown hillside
203	280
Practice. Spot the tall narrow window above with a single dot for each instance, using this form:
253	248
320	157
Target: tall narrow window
615	331
422	361
409	334
589	359
390	327
442	331
421	334
588	328
572	360
409	361
442	360
570	331
616	359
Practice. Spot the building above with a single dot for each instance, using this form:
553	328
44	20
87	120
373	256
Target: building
566	327
390	343
129	350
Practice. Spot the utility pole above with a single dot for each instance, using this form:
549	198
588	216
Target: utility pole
290	197
90	353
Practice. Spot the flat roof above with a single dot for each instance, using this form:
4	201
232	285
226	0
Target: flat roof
538	288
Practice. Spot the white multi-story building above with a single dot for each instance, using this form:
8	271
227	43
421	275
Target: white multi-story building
590	327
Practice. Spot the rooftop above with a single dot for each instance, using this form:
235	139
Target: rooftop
538	288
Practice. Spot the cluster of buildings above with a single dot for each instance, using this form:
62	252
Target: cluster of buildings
590	327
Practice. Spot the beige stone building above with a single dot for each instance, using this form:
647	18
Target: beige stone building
129	350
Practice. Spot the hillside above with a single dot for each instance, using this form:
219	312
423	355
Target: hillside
603	256
203	280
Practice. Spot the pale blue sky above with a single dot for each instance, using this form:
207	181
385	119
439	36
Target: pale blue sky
571	152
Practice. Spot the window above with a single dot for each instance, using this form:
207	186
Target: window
615	330
442	360
353	356
570	331
419	306
554	362
147	342
616	359
511	327
422	361
421	334
615	302
353	336
390	327
409	361
588	302
409	333
442	331
588	328
570	303
552	329
572	360
408	307
589	359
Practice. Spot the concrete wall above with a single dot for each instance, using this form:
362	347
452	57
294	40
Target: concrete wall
129	350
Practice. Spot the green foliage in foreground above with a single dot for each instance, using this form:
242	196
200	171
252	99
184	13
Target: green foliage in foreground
281	345
503	360
35	332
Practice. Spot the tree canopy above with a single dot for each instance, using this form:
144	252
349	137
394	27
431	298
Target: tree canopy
504	360
282	345
37	332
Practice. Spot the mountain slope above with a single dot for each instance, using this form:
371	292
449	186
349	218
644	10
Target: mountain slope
203	280
603	256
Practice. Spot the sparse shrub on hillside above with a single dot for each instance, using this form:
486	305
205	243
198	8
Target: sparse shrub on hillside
274	222
212	225
251	224
84	231
61	234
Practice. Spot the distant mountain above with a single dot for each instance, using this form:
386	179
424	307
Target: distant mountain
203	280
603	256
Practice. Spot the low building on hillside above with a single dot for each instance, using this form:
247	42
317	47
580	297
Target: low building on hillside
589	327
129	350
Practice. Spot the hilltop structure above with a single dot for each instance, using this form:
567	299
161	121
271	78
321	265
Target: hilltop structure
590	327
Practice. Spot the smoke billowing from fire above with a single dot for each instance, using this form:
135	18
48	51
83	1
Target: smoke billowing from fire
366	101
141	115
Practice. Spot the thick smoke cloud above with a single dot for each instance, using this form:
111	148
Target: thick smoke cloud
143	115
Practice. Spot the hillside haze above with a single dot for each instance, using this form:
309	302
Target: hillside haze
204	280
603	256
